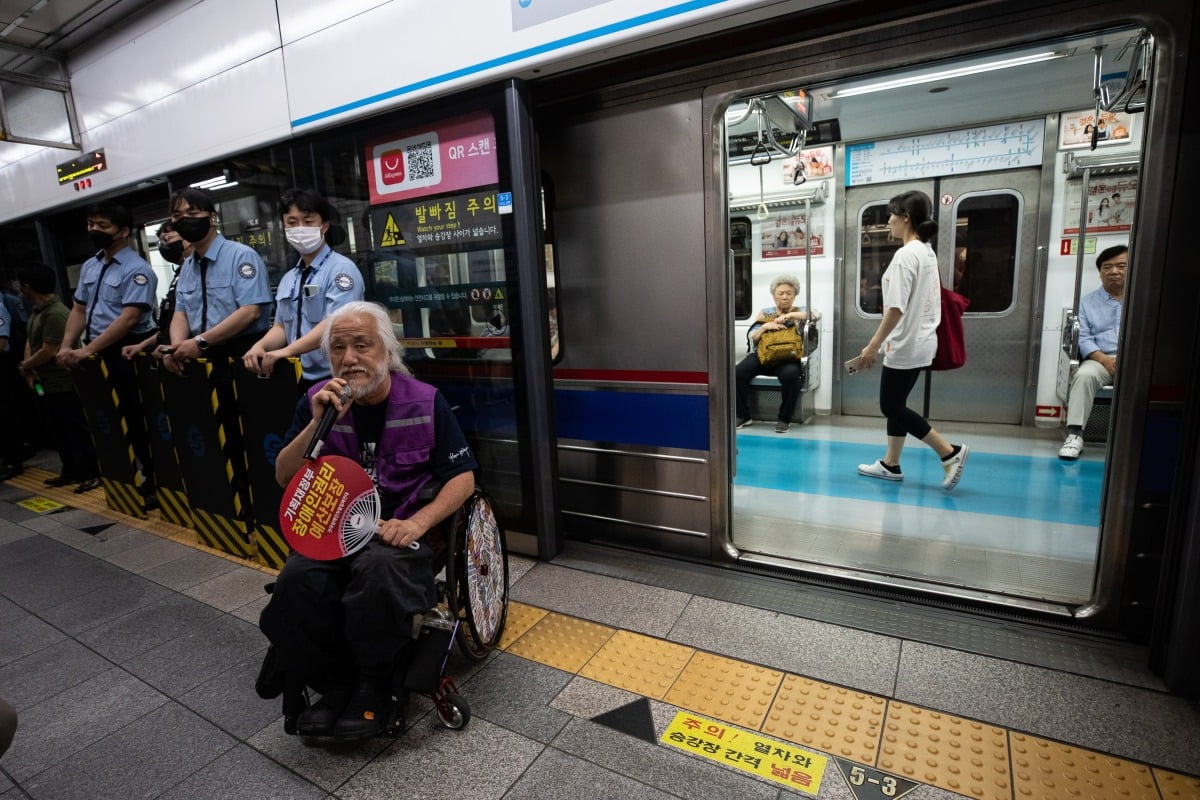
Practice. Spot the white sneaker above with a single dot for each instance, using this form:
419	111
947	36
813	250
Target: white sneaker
744	423
953	467
878	470
1071	448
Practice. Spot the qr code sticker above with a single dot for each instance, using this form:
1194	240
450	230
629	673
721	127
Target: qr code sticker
419	158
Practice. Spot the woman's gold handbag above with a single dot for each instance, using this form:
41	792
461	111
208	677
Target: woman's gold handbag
786	344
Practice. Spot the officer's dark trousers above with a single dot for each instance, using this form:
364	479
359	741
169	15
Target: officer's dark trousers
68	428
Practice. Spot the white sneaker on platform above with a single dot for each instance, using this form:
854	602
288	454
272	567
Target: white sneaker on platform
878	470
1071	448
953	467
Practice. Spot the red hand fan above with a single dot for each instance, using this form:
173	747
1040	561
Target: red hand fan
330	508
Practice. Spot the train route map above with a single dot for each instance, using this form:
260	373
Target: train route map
984	149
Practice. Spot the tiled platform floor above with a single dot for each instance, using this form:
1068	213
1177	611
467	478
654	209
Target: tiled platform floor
131	659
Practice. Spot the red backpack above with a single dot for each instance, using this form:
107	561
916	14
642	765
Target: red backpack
951	345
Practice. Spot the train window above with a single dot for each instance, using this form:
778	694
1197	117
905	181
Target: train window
876	248
739	246
987	234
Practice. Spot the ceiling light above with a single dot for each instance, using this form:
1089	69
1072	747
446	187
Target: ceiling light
957	72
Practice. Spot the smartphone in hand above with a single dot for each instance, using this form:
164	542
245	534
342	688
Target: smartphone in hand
854	365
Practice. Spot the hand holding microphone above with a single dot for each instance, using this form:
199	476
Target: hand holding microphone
328	417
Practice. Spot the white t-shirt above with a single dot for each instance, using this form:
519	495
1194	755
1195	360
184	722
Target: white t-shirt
911	284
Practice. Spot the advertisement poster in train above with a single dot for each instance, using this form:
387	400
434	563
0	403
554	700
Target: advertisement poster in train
455	154
1075	128
1110	204
783	233
812	164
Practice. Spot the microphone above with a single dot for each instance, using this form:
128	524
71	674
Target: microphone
323	427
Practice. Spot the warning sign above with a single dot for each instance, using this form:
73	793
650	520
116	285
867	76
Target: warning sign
39	505
782	763
392	237
446	224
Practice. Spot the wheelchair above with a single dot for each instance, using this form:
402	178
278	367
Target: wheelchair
470	566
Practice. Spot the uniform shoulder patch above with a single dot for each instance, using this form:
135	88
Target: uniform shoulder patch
247	271
343	281
140	279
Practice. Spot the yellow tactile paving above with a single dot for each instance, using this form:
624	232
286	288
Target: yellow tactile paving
827	718
638	663
1174	786
1046	770
731	691
519	619
962	755
562	642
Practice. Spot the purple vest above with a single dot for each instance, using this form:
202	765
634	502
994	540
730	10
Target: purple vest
405	449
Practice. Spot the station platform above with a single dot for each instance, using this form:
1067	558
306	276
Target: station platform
130	654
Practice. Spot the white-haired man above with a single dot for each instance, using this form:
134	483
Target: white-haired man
341	626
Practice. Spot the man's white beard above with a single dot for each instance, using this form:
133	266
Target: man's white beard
360	388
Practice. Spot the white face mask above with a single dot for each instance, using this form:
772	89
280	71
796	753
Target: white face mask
305	239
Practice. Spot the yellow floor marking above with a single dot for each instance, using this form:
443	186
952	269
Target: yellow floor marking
519	619
830	718
962	755
1177	787
1046	770
40	505
729	690
766	758
562	642
637	663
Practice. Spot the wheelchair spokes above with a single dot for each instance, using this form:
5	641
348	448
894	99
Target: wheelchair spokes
479	586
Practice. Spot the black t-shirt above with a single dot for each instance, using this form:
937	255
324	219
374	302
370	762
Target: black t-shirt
451	453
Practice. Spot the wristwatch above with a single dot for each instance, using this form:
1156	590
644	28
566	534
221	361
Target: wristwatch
202	343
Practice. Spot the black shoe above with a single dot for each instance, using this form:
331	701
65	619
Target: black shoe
87	485
321	717
365	715
150	501
60	480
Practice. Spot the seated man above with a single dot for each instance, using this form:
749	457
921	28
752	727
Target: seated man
1099	331
341	626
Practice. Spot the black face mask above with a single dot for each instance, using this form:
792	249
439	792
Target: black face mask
171	251
193	228
100	239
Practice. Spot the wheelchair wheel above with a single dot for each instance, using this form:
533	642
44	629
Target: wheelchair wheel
453	711
479	586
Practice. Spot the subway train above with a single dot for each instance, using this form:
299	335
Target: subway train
574	215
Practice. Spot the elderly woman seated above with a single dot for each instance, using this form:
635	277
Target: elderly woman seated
775	317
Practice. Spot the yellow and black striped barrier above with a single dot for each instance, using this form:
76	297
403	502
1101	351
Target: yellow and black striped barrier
266	406
207	440
110	432
172	496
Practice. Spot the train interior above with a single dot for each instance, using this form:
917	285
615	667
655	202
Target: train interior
993	140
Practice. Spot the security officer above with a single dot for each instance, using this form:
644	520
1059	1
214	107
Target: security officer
223	295
113	307
321	281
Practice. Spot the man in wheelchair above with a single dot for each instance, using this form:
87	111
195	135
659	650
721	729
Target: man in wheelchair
344	627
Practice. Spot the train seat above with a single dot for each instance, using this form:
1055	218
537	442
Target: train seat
766	393
1095	428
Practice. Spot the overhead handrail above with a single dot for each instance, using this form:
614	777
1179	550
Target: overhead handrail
1129	92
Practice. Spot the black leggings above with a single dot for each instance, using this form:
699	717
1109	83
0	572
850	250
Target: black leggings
894	388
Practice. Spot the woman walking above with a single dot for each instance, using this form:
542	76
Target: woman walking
907	335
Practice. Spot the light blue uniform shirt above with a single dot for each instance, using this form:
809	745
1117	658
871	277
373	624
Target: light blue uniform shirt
127	281
5	329
1099	323
235	277
333	282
